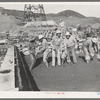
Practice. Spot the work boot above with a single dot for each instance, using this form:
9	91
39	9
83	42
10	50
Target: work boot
75	63
87	61
62	65
47	65
92	59
69	63
53	66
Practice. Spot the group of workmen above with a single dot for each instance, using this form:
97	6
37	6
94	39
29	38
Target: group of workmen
64	45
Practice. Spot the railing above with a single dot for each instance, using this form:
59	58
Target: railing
23	77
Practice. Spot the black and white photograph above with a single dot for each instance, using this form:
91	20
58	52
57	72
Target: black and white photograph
50	47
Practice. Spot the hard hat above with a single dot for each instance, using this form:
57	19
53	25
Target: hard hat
74	29
31	39
67	33
58	31
40	36
95	40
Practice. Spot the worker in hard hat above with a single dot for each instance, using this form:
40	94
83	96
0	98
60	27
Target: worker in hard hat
80	41
95	44
40	48
31	46
71	44
48	49
89	53
62	27
56	42
45	48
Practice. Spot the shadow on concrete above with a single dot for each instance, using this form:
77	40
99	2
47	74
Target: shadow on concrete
83	58
39	60
31	82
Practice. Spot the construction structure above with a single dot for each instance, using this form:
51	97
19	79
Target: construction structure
34	12
35	22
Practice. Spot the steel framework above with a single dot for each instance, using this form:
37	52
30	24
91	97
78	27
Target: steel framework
34	12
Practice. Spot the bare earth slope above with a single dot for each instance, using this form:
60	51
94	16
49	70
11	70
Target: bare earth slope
9	23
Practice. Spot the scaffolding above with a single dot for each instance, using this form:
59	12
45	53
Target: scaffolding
34	13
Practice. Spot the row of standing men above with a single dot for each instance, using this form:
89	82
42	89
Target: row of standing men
63	46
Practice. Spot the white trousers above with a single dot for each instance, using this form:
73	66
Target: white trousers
45	55
54	57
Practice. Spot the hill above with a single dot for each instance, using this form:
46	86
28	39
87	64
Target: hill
15	13
9	19
19	14
68	13
9	23
72	18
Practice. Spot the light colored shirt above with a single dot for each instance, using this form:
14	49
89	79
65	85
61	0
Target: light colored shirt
56	42
74	29
43	46
63	46
70	42
46	44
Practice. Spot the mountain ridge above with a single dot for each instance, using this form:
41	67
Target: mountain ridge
9	19
20	13
69	13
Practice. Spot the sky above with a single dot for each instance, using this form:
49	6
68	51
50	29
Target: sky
91	9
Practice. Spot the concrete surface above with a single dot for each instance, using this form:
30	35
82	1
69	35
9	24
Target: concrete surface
82	77
7	75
